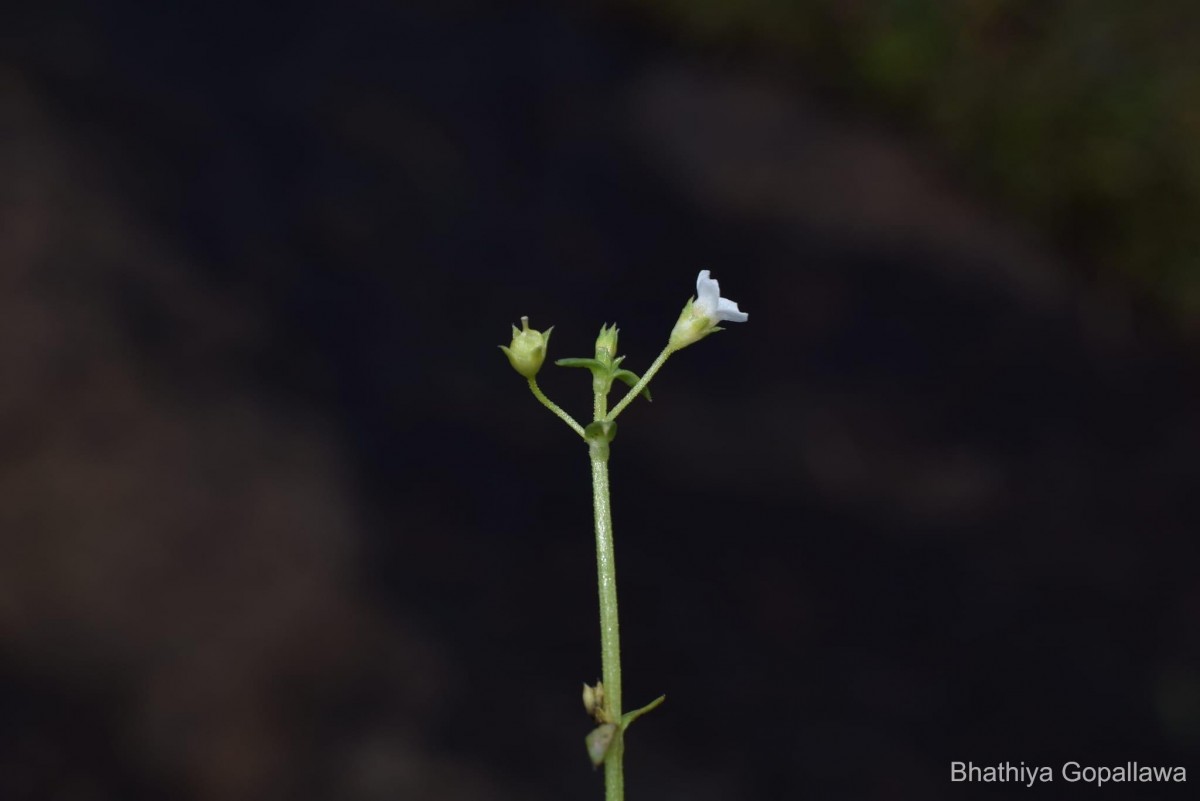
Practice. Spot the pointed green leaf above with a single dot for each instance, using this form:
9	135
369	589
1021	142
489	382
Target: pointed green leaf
591	364
630	717
631	379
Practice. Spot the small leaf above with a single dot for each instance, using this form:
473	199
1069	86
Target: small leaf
603	430
599	741
631	379
598	434
591	364
630	717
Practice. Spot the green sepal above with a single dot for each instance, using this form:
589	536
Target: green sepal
631	378
630	717
591	364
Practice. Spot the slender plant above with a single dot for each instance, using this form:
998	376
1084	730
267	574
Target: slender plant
527	351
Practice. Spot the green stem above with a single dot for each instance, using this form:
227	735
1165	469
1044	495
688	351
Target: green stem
610	637
640	385
600	398
606	579
552	406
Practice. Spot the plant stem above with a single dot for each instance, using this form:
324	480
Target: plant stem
606	578
633	393
600	400
610	638
552	406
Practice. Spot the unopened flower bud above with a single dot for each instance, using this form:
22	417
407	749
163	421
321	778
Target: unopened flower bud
528	349
606	345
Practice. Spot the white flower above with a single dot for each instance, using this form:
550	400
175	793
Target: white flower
710	303
702	313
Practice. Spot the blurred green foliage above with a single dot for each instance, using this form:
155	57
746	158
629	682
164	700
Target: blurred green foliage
1084	115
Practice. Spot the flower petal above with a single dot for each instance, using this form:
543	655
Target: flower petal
727	310
708	293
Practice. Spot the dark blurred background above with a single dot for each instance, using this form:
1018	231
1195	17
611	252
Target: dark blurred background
277	520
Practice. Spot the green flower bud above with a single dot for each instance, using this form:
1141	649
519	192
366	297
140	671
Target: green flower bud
528	349
606	345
